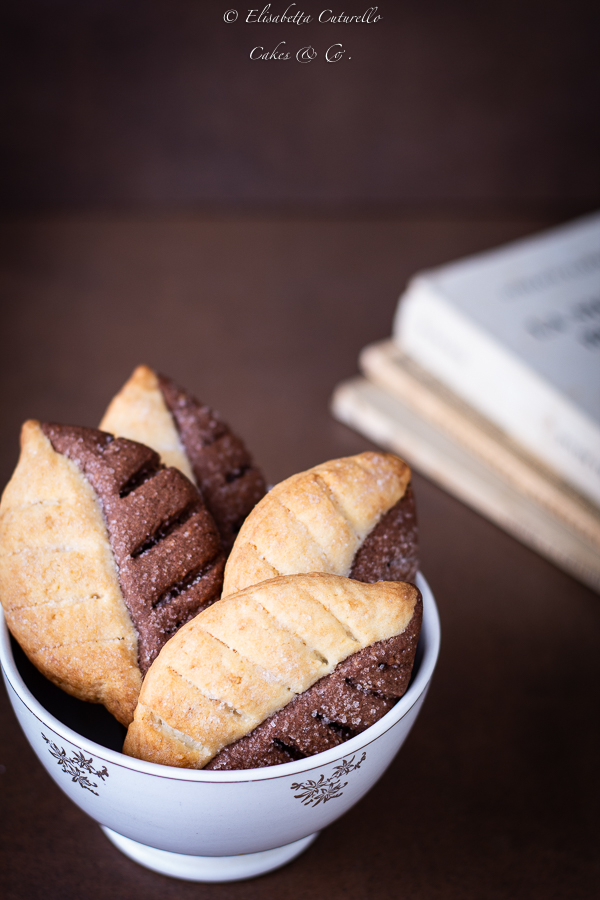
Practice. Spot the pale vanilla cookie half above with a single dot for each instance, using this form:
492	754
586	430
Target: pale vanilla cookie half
104	553
153	410
353	516
276	672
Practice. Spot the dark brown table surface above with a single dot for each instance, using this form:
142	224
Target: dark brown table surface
495	794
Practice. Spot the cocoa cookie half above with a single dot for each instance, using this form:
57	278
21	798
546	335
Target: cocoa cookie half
353	516
282	670
104	554
152	409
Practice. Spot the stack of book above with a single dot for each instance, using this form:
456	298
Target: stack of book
490	386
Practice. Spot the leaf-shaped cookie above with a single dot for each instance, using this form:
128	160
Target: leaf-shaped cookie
104	553
353	516
152	409
281	670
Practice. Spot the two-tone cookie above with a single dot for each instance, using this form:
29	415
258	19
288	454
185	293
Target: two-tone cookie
279	671
353	516
104	554
191	436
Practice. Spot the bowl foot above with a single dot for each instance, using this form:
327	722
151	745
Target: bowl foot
208	868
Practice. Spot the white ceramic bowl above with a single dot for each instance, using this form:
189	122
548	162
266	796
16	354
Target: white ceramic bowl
202	825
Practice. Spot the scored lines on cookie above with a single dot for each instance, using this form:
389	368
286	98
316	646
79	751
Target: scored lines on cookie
164	529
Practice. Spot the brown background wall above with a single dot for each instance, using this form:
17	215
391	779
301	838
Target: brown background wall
461	106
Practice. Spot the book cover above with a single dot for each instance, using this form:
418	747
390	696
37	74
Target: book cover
516	332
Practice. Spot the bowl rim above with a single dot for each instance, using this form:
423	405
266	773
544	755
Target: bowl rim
430	636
